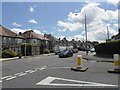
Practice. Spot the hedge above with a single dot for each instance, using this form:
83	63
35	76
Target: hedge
8	53
108	48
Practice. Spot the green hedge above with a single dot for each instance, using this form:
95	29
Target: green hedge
8	53
108	48
28	44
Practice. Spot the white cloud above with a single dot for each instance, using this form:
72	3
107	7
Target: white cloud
115	2
45	31
116	25
95	18
17	30
33	21
31	9
15	24
62	30
69	26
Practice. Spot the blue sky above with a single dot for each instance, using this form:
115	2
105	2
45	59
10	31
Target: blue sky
57	18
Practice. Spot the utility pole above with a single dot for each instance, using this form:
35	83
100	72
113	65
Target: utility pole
25	47
107	33
86	34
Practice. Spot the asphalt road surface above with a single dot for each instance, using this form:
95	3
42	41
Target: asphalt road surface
54	72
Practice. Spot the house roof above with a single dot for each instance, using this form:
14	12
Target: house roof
33	35
50	37
6	32
117	36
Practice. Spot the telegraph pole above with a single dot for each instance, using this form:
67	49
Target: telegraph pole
107	33
86	34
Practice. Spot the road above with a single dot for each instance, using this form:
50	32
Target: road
54	72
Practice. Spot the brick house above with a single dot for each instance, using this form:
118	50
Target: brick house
42	43
52	40
10	40
65	42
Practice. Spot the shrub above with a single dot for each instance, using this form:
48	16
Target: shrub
8	53
51	50
46	51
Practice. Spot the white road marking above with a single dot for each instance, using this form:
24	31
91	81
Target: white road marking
92	61
22	74
11	78
37	68
48	80
0	81
6	77
32	71
28	71
44	67
18	73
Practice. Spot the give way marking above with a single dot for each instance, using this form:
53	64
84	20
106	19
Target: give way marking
49	80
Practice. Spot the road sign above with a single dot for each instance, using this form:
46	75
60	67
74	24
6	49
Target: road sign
49	81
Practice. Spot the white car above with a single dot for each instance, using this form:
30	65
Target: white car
92	50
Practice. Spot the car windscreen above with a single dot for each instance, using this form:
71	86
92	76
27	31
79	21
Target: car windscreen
63	52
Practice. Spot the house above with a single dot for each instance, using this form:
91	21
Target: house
74	43
40	41
52	40
116	37
10	40
65	42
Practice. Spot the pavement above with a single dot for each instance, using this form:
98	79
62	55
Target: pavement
17	58
93	57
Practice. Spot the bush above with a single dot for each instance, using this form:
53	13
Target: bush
46	51
51	50
8	53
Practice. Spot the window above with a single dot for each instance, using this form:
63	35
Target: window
4	39
19	40
9	40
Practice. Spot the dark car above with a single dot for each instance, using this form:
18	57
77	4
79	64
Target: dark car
65	53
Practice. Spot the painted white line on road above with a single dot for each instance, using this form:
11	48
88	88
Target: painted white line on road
37	69
28	70
48	80
11	78
32	71
18	73
92	61
6	77
44	67
0	81
22	74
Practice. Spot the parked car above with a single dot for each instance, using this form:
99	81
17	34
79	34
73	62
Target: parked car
65	53
75	50
92	50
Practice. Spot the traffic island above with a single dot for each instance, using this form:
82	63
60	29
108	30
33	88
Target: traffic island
82	69
116	68
79	63
113	70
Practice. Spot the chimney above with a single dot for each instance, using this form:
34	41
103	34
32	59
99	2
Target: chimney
20	33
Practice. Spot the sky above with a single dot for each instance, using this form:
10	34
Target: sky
63	19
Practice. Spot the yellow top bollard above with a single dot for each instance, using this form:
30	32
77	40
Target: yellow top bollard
79	59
